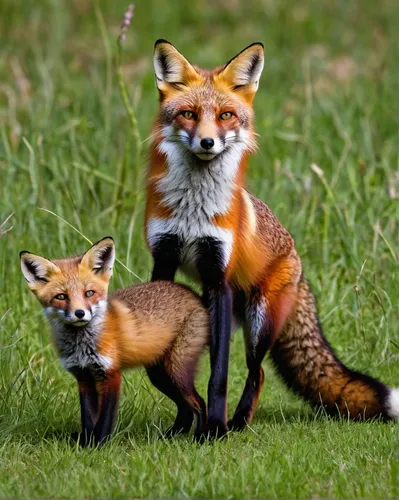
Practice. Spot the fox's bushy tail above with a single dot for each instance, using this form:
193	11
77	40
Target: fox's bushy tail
308	365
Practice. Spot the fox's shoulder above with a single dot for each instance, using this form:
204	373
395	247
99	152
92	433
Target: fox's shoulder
268	225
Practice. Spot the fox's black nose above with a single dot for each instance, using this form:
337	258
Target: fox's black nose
207	143
79	313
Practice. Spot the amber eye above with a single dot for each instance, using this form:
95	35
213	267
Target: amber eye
188	115
90	293
226	115
61	296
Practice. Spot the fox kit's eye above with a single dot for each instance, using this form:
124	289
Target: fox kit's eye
226	115
188	115
90	293
61	296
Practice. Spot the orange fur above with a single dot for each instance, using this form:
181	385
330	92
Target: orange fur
132	339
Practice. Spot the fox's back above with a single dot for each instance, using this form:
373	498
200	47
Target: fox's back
162	300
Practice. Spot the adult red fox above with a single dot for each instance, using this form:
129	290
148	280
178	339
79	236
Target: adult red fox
162	326
200	218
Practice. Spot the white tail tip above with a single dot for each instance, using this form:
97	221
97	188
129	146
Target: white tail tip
393	403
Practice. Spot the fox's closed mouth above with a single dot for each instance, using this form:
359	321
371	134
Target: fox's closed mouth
79	323
205	156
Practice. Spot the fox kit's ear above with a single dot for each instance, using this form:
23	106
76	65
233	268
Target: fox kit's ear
172	70
101	257
242	73
36	270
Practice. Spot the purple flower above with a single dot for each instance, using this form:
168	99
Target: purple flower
126	22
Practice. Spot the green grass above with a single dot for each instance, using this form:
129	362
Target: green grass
329	97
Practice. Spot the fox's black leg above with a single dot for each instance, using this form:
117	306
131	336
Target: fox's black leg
257	334
183	421
162	381
218	298
88	403
200	411
109	406
166	254
219	305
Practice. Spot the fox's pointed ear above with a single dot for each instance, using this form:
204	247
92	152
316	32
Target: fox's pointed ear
36	270
101	257
242	73
172	70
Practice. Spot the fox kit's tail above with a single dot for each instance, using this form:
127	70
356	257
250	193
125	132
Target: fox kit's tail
309	366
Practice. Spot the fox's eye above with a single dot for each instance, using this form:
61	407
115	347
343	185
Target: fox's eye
226	115
188	115
90	293
61	296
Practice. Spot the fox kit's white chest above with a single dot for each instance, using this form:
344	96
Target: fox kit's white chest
195	194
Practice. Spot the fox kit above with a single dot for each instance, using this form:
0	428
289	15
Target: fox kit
200	218
162	326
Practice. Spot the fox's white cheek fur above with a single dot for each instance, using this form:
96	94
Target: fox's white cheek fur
185	138
168	131
54	314
48	311
230	135
99	308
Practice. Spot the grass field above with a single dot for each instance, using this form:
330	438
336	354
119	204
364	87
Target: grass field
328	97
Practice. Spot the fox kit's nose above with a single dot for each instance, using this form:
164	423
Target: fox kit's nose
79	313
207	143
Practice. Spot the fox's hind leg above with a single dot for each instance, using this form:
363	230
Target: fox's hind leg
267	309
185	381
257	336
182	360
161	379
174	374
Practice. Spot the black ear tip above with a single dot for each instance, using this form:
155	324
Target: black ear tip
22	253
103	239
260	44
161	40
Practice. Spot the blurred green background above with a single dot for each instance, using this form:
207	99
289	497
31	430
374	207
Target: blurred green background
329	96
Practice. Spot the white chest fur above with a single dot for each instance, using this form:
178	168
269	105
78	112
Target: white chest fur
195	193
